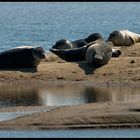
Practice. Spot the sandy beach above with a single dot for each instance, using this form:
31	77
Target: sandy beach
121	71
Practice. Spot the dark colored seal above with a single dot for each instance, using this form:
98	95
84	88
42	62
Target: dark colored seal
70	55
21	57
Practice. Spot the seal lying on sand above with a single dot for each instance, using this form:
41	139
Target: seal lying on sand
123	38
21	57
77	53
96	53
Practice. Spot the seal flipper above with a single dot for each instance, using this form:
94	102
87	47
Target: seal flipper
116	53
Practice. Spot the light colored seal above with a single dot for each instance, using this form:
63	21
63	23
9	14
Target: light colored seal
123	38
99	53
21	57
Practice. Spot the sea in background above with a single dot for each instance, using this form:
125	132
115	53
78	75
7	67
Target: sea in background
43	23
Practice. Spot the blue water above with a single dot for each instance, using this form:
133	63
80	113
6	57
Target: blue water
43	23
80	133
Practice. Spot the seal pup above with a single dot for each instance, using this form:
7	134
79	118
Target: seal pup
123	38
21	57
98	53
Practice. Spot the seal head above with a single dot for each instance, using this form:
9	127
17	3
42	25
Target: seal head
38	54
62	44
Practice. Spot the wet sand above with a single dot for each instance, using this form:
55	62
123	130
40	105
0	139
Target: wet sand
122	71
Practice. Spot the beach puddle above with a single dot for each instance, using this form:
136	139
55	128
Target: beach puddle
64	94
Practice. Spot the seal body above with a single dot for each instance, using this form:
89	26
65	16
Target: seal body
21	57
98	54
74	54
123	38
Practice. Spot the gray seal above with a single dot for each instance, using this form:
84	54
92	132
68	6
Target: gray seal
21	57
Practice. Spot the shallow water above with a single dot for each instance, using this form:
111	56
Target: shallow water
80	133
65	94
43	23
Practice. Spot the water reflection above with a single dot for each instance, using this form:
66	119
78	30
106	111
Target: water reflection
59	95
